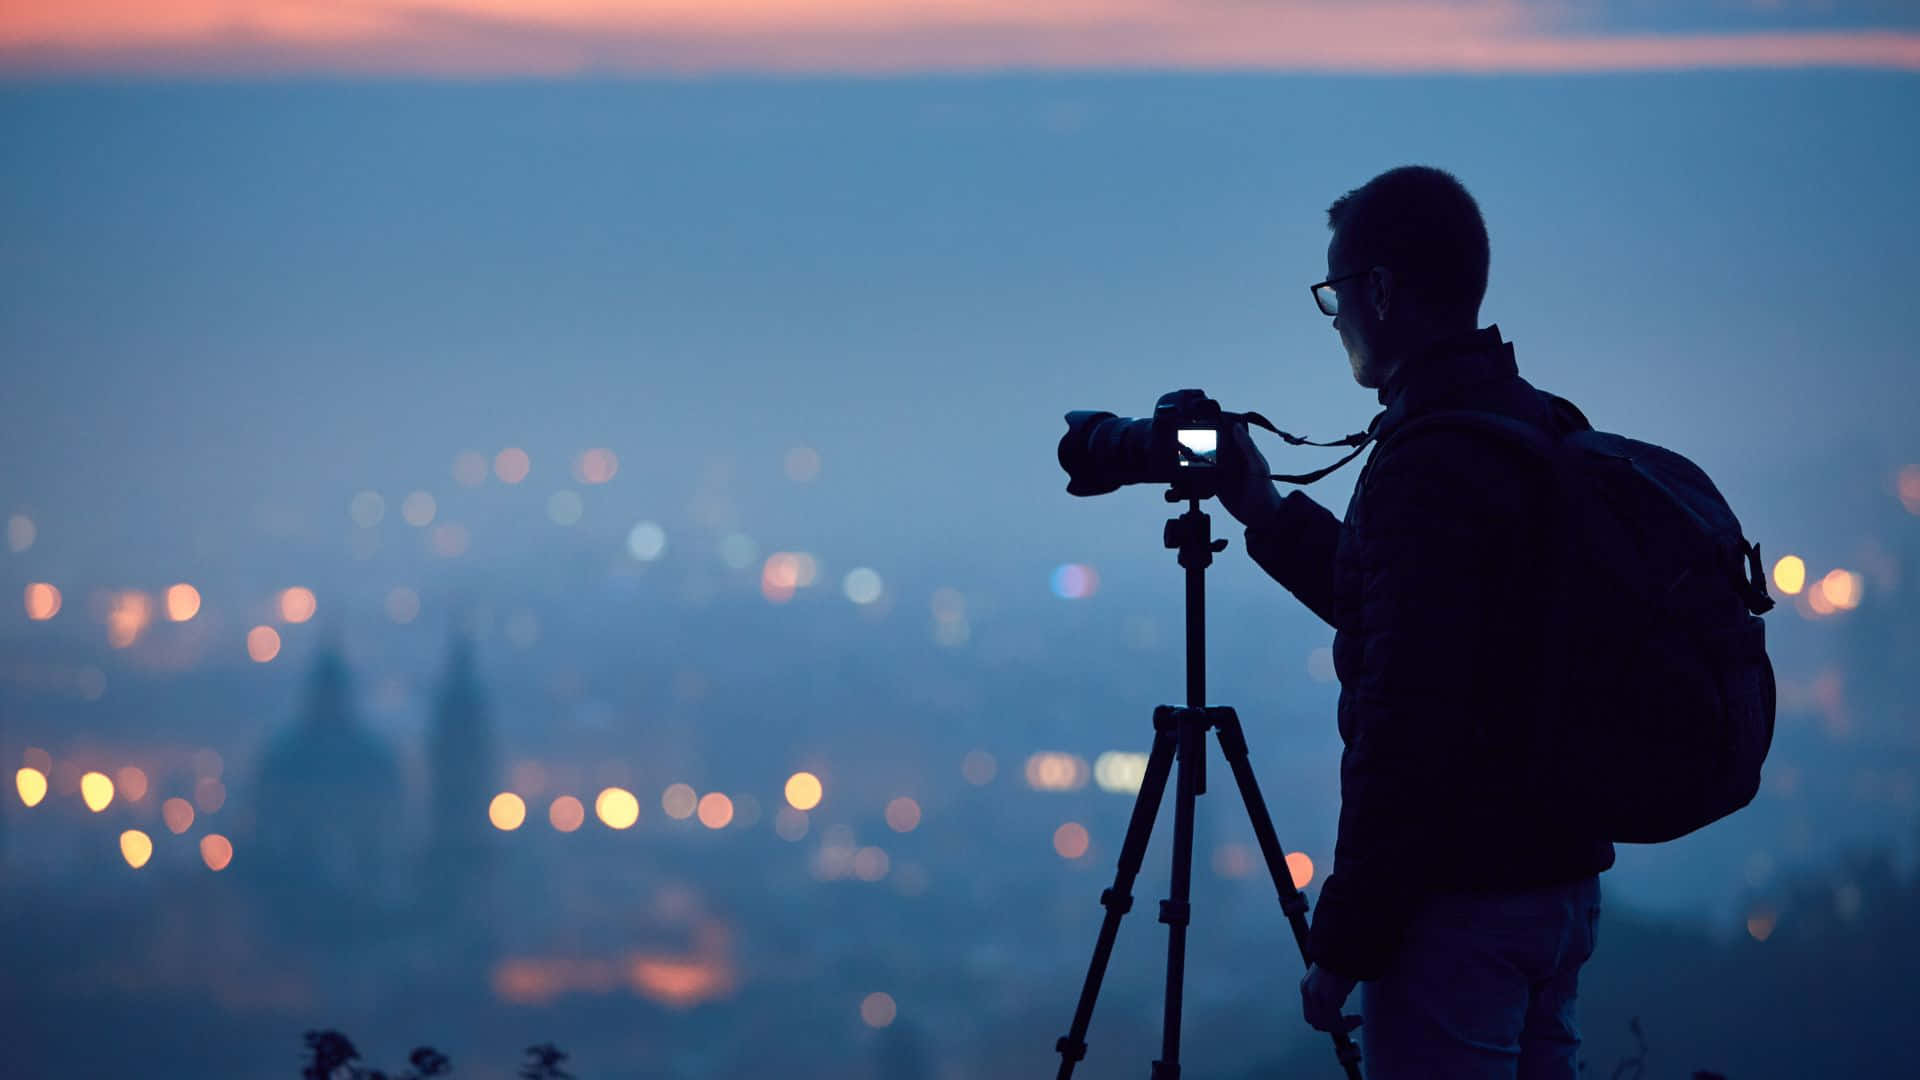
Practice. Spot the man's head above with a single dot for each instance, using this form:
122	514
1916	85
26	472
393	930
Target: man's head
1412	248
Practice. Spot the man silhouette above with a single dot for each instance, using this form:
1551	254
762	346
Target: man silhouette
1455	902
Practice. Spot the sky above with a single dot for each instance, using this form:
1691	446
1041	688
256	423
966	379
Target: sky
260	258
559	37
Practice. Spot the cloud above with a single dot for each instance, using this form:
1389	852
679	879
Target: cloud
685	37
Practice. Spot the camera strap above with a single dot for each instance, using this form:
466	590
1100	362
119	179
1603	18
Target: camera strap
1358	440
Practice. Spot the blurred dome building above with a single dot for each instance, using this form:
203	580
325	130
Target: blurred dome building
328	809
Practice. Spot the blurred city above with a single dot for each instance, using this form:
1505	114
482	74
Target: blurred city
511	562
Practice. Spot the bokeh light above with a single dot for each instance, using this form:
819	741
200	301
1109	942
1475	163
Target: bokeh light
803	464
716	810
178	814
367	509
512	465
297	604
1760	924
417	509
209	794
979	768
131	780
183	602
42	601
646	541
1300	868
1120	771
790	824
96	790
403	604
738	550
1841	589
565	508
1051	770
679	801
878	1010
617	808
470	468
1071	840
136	847
1790	574
1075	581
507	811
449	541
216	851
263	644
566	813
595	466
20	533
1908	486
862	585
31	783
127	616
871	863
804	791
903	815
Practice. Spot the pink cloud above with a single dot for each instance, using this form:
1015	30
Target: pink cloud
555	37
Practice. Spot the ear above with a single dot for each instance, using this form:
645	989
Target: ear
1382	280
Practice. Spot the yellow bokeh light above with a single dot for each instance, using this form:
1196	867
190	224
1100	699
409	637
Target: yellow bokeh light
96	790
617	808
43	601
31	783
216	851
183	602
507	811
1841	589
178	814
878	1010
136	847
263	644
1790	574
1071	840
132	781
566	813
903	814
1300	867
679	801
297	604
716	810
804	791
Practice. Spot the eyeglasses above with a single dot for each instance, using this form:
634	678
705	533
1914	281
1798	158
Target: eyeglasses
1324	295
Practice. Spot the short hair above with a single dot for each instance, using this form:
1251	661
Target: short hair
1419	222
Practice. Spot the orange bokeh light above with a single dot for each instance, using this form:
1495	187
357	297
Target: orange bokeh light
512	465
132	782
1071	840
178	814
43	601
596	466
217	851
129	614
566	813
903	814
297	604
263	644
716	810
183	602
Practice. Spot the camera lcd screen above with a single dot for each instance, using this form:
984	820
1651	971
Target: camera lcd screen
1202	442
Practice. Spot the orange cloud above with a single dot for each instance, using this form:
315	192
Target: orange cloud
517	37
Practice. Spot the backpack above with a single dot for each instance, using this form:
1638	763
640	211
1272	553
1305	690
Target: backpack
1661	697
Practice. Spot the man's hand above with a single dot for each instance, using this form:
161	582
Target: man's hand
1245	487
1323	993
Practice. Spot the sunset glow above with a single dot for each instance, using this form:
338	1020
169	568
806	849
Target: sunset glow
463	37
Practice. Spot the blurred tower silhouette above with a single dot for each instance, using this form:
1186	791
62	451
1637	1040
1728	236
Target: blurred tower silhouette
328	807
463	775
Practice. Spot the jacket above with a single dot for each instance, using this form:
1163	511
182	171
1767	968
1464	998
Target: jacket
1434	586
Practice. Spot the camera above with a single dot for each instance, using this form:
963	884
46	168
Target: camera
1178	445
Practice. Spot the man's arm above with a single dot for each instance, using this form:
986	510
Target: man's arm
1295	547
1437	526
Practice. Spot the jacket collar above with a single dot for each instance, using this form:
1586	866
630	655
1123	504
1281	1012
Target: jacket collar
1445	368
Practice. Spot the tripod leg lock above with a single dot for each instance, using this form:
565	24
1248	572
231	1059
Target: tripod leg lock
1175	912
1070	1048
1116	901
1293	903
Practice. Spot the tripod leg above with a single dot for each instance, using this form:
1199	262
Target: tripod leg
1118	898
1174	911
1233	743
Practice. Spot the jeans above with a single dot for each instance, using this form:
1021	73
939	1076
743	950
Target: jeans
1483	988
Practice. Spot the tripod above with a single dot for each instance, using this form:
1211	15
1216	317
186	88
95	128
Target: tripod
1180	733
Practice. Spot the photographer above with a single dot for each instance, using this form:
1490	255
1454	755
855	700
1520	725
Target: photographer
1454	901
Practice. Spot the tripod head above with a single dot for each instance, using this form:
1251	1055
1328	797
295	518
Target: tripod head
1191	533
